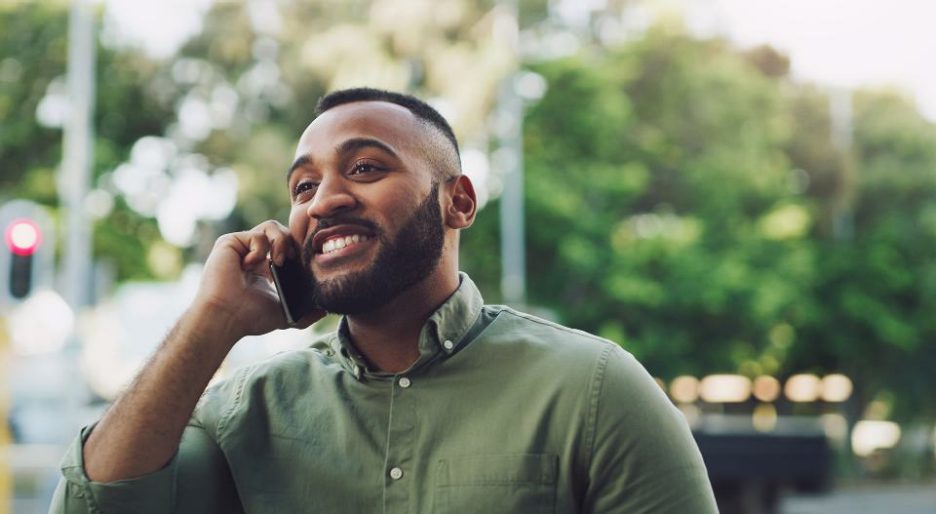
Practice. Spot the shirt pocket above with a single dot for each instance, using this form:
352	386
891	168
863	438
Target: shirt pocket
493	484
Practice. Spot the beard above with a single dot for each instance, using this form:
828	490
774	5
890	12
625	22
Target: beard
400	264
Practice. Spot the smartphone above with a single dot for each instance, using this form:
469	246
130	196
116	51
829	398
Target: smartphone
295	289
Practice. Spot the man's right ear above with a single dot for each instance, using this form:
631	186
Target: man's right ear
460	212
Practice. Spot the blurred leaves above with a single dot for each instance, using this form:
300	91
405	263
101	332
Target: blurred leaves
684	199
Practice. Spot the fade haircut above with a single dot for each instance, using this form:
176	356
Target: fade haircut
423	111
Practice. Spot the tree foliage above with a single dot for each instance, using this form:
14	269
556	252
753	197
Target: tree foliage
690	202
684	199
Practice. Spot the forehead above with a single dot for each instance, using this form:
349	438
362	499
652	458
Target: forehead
390	123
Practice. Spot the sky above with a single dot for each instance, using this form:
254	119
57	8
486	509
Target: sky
840	43
845	43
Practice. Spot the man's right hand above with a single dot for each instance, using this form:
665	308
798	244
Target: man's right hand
140	433
236	287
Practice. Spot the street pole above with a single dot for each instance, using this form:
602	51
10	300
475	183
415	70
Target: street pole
77	156
513	232
841	118
510	135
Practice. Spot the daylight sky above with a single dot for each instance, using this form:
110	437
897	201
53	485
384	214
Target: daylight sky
845	43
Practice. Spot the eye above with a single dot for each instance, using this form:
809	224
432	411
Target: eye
304	188
365	168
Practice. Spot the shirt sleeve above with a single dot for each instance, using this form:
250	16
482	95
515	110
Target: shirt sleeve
196	480
644	458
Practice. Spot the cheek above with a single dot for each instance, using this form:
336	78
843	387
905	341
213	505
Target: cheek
298	224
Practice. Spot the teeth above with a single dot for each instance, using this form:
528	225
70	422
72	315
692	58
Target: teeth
340	242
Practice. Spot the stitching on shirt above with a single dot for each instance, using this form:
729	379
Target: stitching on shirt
493	483
550	324
93	502
591	422
235	402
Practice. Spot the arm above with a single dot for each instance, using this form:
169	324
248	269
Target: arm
142	431
197	481
644	459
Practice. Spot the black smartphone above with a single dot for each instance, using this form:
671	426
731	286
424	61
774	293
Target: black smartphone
295	289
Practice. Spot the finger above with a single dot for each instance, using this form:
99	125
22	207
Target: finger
237	242
259	247
280	241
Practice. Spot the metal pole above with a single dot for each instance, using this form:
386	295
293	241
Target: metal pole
510	135
77	156
513	232
841	117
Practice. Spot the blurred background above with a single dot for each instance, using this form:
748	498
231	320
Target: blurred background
742	193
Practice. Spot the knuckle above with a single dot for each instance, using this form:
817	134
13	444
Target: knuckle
224	239
269	225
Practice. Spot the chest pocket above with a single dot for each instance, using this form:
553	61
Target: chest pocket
493	484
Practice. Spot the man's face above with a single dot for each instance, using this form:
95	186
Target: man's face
365	209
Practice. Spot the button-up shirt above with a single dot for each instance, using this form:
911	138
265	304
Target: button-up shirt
502	412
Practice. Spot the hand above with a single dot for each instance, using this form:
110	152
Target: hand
236	286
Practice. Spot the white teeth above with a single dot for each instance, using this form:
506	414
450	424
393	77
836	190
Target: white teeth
340	242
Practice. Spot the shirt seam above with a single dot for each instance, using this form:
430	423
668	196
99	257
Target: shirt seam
94	502
467	329
594	400
241	384
83	483
561	328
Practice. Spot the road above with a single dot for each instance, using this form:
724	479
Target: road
867	499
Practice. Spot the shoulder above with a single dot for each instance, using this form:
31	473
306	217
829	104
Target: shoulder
614	372
285	372
289	370
552	339
571	359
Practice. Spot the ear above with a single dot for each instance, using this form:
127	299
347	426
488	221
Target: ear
460	212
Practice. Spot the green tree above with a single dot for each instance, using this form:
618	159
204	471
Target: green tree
33	46
876	284
659	206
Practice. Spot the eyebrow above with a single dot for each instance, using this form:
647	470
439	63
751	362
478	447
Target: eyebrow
345	147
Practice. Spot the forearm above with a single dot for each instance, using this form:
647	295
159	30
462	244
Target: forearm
140	433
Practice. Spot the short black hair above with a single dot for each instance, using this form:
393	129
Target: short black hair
419	108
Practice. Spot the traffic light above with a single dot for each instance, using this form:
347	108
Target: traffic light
23	237
26	254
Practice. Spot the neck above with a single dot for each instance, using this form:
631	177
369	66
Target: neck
389	336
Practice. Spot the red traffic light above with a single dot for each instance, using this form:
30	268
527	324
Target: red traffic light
23	237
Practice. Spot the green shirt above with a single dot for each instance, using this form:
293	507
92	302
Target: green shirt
502	413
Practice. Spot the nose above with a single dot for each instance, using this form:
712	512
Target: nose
332	197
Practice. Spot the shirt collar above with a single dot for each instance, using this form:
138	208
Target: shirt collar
442	334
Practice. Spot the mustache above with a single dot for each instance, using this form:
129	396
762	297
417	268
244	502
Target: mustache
308	248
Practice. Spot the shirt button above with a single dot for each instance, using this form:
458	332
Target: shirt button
396	473
448	344
405	382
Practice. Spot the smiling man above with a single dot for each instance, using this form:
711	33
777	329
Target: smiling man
424	400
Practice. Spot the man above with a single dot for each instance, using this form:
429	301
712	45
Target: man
424	400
